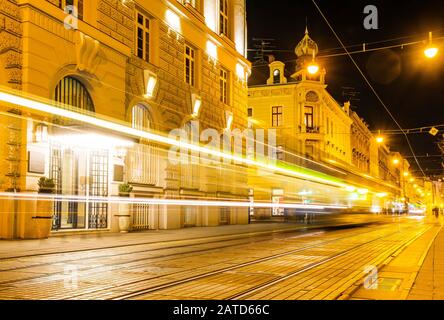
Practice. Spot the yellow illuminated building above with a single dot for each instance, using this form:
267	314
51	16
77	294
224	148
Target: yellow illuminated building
314	131
155	65
305	116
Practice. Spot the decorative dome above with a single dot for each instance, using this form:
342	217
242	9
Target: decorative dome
306	46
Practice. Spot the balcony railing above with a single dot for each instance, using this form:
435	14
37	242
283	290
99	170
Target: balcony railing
303	129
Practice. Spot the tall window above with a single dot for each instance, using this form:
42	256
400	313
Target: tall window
223	17
72	92
143	37
143	158
276	116
250	112
279	153
140	117
308	117
77	7
190	56
276	76
223	82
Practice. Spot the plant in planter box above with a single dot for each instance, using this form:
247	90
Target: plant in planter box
124	208
46	185
42	217
125	189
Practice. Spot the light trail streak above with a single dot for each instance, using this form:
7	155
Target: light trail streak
172	202
109	125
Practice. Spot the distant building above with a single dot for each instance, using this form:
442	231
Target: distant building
306	117
361	139
315	131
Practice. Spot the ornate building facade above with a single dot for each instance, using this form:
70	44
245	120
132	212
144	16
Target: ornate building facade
315	131
144	63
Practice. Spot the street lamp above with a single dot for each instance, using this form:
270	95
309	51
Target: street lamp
431	51
395	161
313	67
379	138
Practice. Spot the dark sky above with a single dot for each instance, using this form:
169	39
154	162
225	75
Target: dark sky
411	86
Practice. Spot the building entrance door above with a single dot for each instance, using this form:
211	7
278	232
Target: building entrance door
79	173
190	216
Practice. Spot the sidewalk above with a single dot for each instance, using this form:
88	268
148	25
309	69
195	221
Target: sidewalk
415	272
429	284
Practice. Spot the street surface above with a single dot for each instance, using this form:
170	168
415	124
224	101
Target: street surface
258	261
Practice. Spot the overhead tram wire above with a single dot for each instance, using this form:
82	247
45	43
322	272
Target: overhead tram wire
370	85
324	54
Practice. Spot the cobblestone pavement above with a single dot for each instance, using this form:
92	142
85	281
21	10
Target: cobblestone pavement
235	262
429	284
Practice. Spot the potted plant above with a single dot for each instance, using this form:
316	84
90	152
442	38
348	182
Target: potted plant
42	218
124	208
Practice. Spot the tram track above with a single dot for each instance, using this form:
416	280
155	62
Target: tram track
194	242
250	263
236	242
216	237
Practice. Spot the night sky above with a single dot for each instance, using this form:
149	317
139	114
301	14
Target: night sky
411	86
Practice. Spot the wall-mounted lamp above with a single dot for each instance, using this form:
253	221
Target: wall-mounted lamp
212	50
197	103
173	20
150	79
240	72
229	120
41	133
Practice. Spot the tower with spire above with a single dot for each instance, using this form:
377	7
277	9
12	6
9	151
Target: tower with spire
306	52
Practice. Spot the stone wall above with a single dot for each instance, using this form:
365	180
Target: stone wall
10	43
116	20
12	149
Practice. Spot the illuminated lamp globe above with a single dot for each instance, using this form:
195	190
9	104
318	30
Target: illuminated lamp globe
431	52
313	68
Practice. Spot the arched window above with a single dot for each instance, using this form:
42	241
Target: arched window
190	169
276	76
72	92
140	117
143	159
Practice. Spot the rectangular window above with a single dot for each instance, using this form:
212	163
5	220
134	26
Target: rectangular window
277	197
223	17
308	117
250	112
279	153
223	82
190	56
276	116
142	37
